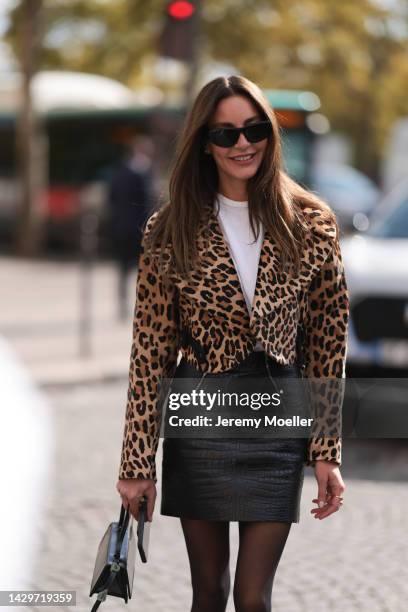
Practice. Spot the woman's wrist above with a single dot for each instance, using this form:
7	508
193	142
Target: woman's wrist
327	461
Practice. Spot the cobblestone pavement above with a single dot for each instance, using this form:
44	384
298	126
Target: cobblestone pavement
355	560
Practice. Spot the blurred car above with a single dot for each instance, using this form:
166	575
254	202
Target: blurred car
376	264
348	191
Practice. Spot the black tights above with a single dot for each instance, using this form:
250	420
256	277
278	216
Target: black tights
260	548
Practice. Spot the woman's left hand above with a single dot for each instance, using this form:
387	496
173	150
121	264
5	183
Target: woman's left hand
330	489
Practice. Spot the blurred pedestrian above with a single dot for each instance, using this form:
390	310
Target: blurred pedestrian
130	204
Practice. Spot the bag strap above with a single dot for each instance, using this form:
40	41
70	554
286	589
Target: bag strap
122	514
188	340
300	343
122	528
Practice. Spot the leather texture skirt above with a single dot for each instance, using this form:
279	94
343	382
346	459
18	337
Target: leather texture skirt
234	479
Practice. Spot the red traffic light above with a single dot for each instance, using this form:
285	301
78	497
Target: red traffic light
180	9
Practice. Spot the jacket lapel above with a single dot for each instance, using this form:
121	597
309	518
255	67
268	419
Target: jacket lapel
267	268
276	292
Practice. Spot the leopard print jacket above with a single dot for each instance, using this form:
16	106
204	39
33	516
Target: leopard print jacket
212	307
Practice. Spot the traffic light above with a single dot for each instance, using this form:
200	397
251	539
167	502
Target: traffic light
177	37
180	10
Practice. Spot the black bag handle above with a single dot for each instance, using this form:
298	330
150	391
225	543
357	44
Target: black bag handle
122	528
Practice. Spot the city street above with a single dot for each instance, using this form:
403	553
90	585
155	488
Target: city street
273	137
349	562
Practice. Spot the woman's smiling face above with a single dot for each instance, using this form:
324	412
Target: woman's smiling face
236	111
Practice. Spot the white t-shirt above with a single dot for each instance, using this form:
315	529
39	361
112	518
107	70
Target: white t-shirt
245	251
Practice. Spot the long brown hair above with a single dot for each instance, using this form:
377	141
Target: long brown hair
273	197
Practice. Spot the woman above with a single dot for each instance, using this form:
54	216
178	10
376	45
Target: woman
233	307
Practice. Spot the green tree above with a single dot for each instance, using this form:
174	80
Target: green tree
110	38
352	54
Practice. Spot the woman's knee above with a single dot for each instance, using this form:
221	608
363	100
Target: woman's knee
251	601
212	592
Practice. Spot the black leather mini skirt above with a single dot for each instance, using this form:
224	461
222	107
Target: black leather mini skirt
234	479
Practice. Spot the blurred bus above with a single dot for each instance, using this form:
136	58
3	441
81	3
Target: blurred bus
85	146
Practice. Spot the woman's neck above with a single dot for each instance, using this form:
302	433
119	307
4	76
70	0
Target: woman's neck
237	192
233	196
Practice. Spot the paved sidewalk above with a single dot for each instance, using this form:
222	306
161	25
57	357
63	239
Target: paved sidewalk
41	313
354	561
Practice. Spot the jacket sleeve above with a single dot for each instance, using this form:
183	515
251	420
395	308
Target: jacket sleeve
326	326
154	354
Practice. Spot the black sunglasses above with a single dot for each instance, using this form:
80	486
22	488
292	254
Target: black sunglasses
228	137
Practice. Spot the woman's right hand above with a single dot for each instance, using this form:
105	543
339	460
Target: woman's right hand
132	490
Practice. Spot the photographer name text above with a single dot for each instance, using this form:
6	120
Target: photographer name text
253	422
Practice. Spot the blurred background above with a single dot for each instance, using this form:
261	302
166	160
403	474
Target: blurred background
92	99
